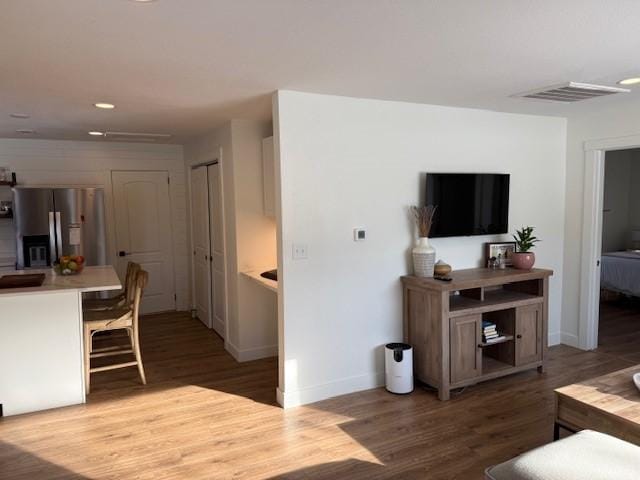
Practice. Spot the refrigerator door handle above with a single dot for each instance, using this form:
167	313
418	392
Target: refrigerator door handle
52	239
59	234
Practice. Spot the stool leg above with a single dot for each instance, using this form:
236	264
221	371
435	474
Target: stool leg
87	359
556	431
136	351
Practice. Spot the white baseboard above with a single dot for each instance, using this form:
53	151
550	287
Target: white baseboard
251	353
316	393
554	338
570	339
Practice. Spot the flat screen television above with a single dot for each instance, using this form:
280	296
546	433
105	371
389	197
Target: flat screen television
468	203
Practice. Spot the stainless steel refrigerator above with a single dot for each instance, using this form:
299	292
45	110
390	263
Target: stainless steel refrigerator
52	222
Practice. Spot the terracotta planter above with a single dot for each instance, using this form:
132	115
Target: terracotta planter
523	260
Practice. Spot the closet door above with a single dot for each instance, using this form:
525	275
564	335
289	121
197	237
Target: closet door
201	243
216	225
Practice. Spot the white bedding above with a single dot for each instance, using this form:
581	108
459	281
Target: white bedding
620	272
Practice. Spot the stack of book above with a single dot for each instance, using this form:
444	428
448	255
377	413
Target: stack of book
490	332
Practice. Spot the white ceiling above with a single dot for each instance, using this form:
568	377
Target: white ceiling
183	66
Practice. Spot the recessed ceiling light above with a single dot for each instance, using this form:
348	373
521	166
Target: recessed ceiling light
106	106
20	115
95	133
629	81
25	131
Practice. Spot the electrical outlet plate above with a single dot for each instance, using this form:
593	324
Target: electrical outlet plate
300	251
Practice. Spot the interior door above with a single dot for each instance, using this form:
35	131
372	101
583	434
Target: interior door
528	334
201	244
143	232
217	256
466	356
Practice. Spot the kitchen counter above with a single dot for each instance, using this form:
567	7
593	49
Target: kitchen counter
91	279
41	348
265	282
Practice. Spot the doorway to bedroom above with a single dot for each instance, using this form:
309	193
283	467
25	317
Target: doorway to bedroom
619	322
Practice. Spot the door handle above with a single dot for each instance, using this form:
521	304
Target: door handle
53	257
122	253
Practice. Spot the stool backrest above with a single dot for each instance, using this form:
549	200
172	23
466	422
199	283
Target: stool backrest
130	282
141	280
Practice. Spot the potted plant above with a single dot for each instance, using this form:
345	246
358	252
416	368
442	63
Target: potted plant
524	258
424	255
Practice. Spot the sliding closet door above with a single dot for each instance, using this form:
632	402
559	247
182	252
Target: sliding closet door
201	243
216	223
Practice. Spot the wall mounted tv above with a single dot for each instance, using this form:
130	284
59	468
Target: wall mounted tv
468	203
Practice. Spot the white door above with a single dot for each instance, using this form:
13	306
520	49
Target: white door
143	233
217	256
201	243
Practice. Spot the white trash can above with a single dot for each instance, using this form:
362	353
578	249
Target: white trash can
398	367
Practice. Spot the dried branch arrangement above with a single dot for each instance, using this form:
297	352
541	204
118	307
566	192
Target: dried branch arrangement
423	216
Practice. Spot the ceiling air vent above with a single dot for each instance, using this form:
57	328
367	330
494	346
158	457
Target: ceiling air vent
141	137
571	92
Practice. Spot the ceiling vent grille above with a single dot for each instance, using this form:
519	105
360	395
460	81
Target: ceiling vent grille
571	92
141	137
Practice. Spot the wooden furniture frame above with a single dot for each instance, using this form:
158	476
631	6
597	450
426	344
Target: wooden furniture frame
117	319
608	404
443	323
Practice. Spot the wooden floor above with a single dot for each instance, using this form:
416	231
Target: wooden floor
204	416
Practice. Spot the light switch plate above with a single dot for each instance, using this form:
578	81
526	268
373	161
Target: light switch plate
299	251
359	234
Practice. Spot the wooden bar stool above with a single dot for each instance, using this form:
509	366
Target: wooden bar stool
125	318
123	299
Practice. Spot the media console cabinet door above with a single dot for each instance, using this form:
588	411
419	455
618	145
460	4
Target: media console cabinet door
464	337
528	334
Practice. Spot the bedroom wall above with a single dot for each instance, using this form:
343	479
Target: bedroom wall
617	196
634	192
347	162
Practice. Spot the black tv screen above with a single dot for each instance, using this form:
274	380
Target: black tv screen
468	203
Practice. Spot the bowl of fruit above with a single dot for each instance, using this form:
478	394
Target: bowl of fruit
70	264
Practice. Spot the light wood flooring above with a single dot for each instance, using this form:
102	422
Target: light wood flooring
204	416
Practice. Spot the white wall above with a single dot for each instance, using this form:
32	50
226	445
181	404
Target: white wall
345	163
249	235
617	120
76	163
616	206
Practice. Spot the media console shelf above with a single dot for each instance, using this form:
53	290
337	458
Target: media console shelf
443	323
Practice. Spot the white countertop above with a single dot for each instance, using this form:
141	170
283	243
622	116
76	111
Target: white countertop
265	282
91	279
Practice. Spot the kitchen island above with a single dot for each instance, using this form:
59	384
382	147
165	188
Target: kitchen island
41	350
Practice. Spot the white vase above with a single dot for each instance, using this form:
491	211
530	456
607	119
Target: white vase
424	258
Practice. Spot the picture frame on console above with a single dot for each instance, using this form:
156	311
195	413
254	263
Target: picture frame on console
503	249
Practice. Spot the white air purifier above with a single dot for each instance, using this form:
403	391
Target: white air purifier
398	367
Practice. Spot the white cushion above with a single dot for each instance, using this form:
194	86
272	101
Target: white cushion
587	455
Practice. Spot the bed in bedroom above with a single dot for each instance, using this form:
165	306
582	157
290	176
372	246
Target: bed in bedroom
620	272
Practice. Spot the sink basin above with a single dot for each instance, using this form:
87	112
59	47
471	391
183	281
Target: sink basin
22	281
271	275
